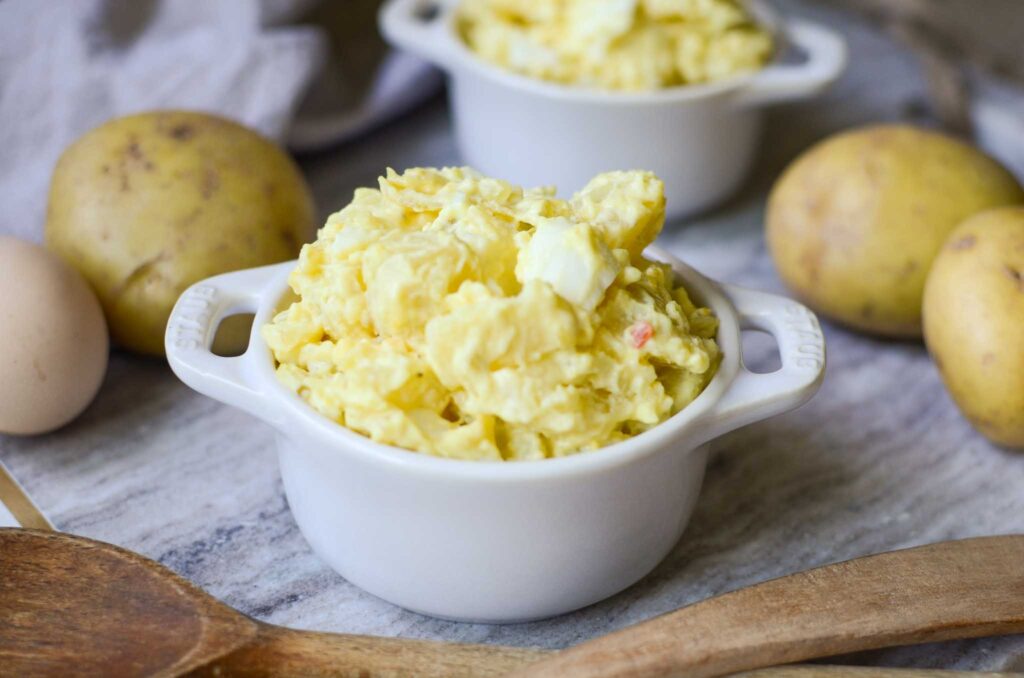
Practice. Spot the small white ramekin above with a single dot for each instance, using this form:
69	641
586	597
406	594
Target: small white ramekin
493	541
699	139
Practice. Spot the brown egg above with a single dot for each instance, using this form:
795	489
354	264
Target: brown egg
53	340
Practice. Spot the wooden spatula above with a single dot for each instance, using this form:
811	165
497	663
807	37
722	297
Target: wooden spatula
72	606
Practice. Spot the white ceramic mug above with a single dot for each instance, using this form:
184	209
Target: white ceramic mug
493	541
699	139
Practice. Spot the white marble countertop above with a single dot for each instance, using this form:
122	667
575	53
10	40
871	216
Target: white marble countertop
880	459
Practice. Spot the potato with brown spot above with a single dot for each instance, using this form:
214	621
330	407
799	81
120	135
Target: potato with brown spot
855	222
974	322
148	204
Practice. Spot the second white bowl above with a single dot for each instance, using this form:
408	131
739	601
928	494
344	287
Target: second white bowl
699	139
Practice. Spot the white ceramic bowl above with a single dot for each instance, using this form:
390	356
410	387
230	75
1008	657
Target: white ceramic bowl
699	139
493	541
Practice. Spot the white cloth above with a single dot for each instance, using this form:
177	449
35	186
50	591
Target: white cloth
67	66
998	115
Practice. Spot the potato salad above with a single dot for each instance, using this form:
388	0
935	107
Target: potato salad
457	315
616	44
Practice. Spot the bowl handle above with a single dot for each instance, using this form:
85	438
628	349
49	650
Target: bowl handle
193	324
419	27
825	59
752	396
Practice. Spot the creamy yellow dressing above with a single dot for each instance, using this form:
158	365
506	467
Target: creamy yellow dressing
616	44
461	316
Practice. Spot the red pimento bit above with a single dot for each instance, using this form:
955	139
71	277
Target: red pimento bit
641	331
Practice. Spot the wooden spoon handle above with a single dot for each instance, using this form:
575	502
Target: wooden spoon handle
957	589
820	671
285	653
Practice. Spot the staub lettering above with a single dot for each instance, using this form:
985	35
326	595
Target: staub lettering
194	311
802	326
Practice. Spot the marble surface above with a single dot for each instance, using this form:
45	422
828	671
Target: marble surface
880	459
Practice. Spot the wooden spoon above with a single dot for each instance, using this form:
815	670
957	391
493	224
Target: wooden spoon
72	606
956	589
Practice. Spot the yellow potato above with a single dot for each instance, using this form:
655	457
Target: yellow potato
974	321
854	223
148	204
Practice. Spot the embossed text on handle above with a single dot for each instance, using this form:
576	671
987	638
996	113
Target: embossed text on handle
192	317
809	351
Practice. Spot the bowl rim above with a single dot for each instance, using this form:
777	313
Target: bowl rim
764	15
669	435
